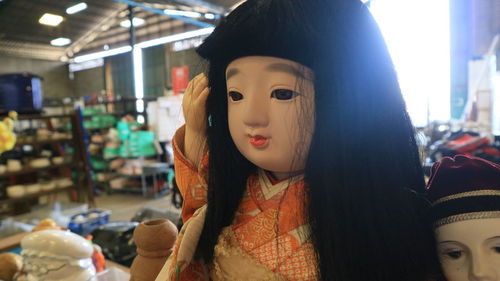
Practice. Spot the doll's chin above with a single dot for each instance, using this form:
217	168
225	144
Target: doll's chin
276	168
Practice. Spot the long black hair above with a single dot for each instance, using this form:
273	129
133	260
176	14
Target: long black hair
362	173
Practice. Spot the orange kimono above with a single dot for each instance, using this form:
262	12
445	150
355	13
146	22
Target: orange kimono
268	239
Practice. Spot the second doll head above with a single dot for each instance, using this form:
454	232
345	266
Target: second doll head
465	193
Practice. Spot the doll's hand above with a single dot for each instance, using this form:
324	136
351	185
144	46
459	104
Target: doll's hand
193	107
193	104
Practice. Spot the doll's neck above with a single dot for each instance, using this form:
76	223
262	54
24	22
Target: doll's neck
280	176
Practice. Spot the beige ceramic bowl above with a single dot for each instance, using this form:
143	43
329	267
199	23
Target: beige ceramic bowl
16	191
40	163
64	182
33	188
58	160
46	186
14	165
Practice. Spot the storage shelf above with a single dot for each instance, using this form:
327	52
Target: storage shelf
36	116
35	195
119	114
73	137
138	190
34	170
42	142
123	100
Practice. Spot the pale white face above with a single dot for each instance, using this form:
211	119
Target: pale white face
470	250
271	112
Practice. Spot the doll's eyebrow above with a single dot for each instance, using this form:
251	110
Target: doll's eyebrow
275	67
494	237
231	72
449	241
283	67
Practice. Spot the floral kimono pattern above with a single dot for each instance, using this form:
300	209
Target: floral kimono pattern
268	239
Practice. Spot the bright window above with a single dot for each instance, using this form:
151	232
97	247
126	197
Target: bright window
417	33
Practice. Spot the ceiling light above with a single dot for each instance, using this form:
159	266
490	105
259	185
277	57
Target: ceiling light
175	37
136	21
50	19
76	8
209	16
60	42
146	44
103	54
188	14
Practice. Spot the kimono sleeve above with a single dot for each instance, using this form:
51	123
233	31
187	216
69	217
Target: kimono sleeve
190	180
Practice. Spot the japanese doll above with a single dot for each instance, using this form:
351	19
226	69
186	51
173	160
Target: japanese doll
298	160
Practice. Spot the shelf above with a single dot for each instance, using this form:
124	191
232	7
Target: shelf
36	116
161	192
145	173
113	113
42	142
108	180
123	100
98	129
35	195
34	170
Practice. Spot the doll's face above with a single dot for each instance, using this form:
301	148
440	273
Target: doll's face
271	112
470	250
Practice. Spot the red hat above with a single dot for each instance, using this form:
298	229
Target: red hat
464	188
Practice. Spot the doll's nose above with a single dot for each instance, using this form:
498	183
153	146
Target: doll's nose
481	270
256	113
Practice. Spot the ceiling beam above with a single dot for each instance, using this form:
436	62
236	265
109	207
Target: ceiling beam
159	11
30	50
204	4
91	34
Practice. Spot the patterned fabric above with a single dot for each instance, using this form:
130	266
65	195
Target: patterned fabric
268	240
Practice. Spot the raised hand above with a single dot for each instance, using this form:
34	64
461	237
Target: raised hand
193	107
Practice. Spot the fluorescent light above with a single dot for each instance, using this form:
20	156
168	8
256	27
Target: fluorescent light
135	21
146	44
103	54
176	37
74	67
60	42
139	105
209	16
138	75
188	14
50	19
76	8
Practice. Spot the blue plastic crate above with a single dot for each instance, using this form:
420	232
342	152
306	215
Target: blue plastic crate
89	223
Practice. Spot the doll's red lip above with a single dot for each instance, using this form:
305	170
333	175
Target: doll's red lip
258	140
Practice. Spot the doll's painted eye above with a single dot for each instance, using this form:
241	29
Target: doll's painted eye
455	255
283	94
496	249
235	96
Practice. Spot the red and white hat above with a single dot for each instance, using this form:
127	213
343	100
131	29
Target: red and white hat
463	188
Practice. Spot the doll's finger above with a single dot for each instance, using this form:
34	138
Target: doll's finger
200	85
190	86
202	98
193	82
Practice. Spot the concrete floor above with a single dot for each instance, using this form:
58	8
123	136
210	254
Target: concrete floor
124	206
